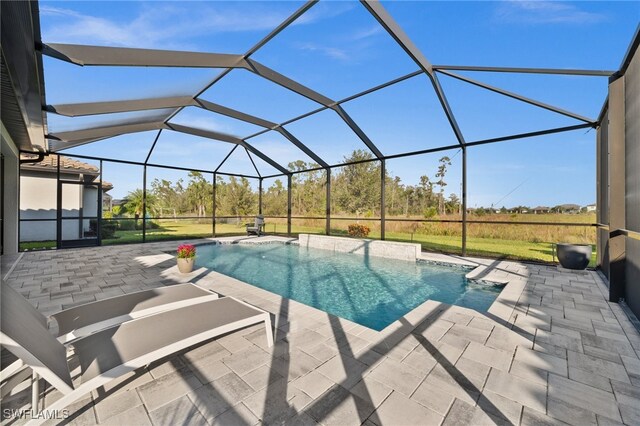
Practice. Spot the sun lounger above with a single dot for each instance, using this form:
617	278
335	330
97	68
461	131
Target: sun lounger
108	354
91	317
86	319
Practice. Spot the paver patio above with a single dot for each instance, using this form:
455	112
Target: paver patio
551	350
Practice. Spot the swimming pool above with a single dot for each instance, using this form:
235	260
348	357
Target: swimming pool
371	291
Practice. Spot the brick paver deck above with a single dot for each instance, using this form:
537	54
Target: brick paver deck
551	350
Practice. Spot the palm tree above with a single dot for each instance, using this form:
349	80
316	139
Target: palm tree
135	202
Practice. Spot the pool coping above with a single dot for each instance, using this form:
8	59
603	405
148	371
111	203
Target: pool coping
502	309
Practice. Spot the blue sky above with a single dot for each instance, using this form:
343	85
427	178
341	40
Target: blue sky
338	49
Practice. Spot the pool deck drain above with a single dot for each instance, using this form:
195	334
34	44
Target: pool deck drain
551	349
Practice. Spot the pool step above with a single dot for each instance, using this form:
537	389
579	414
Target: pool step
489	274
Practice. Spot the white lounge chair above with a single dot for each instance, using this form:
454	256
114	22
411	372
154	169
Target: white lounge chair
91	317
256	228
112	352
86	319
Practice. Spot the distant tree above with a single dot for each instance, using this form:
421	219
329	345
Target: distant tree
117	211
453	203
198	193
440	175
393	187
355	190
296	166
430	212
274	200
425	191
308	188
221	194
357	187
170	196
314	184
239	198
135	203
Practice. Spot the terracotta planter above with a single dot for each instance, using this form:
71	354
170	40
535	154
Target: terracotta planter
185	265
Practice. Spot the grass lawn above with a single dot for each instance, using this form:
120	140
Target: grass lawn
487	247
185	229
168	230
37	245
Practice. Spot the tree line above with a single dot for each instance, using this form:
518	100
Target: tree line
355	191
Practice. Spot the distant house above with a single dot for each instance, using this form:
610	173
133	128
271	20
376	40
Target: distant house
107	200
541	210
519	209
39	203
567	208
590	208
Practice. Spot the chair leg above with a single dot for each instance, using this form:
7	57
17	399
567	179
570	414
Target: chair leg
35	392
58	406
267	326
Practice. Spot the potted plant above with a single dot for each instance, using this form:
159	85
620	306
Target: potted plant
358	231
186	257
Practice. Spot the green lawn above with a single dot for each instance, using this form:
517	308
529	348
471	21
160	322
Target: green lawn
168	230
487	247
185	229
37	245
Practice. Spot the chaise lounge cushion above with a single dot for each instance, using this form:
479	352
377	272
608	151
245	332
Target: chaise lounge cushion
94	312
110	348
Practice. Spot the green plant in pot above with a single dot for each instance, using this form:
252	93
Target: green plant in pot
186	257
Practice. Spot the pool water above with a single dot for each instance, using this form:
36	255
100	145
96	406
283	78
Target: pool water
371	291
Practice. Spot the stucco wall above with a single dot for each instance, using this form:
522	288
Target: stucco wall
37	196
10	194
38	200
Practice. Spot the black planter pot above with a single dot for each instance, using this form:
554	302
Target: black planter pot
574	256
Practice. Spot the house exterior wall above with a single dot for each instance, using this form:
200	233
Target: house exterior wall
632	182
619	184
37	196
10	190
602	211
38	200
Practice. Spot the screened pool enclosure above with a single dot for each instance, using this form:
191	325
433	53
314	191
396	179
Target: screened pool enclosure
195	144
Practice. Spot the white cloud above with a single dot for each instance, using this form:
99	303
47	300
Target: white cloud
201	123
545	12
175	26
281	151
331	52
167	26
367	32
325	10
79	28
353	45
